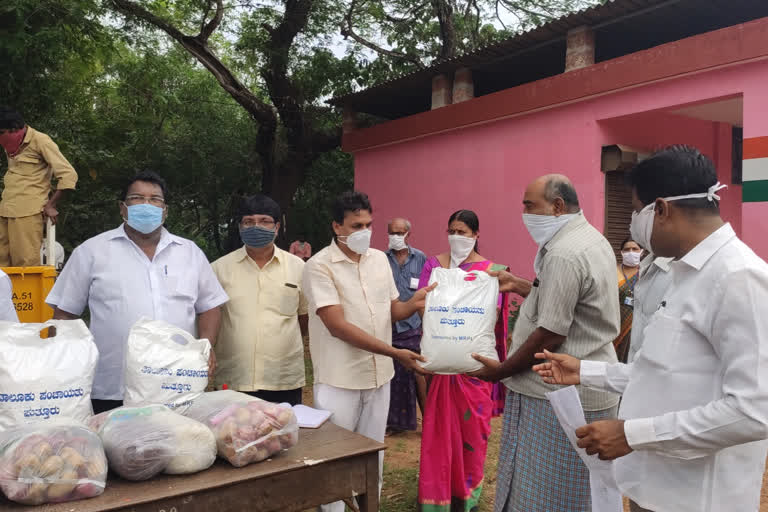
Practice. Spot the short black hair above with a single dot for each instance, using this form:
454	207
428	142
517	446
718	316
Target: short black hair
148	177
564	189
10	119
626	241
351	201
468	217
258	204
675	171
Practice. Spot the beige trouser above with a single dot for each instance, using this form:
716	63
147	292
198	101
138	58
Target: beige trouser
20	241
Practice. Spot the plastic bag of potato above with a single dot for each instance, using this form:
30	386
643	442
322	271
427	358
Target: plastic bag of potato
141	442
60	460
247	429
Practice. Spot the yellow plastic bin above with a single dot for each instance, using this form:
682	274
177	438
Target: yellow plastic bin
30	288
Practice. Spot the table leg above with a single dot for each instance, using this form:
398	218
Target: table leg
369	502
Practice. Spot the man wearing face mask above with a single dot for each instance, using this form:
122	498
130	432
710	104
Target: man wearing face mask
407	388
260	349
353	301
33	160
694	412
571	306
137	270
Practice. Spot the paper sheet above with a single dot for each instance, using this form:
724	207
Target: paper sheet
605	493
309	417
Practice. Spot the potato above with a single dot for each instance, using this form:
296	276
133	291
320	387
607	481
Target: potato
61	490
72	457
29	465
83	491
52	465
36	494
42	450
96	469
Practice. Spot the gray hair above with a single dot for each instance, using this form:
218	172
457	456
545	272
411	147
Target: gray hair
407	223
560	186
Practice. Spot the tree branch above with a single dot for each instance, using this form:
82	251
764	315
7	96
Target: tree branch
444	11
348	31
208	28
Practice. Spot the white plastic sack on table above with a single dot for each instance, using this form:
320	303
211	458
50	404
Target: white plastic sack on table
42	379
164	365
459	320
59	460
247	429
141	442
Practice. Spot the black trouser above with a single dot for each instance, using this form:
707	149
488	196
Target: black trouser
105	405
291	396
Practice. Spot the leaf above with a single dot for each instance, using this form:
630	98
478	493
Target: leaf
467	414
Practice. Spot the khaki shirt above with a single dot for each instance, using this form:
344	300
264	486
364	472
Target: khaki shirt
365	290
259	345
574	296
28	180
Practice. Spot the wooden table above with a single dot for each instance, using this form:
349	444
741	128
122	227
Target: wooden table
327	465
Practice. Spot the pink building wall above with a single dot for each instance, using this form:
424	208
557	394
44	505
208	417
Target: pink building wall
486	167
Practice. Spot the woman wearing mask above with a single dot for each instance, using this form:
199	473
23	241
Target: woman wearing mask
457	418
627	270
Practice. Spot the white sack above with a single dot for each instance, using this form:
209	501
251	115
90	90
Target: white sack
45	378
459	320
164	365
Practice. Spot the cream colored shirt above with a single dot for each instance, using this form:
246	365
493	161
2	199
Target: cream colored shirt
259	345
28	180
365	290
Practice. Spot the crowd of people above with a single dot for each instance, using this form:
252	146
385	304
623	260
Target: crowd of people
666	347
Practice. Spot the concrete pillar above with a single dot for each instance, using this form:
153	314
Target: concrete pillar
580	48
463	86
348	120
441	91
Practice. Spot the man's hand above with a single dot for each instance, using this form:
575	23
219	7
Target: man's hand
212	364
50	212
419	299
410	360
605	438
510	283
491	370
560	369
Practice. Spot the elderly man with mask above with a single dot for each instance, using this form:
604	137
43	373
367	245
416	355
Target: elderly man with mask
353	302
137	270
572	306
260	349
694	412
407	388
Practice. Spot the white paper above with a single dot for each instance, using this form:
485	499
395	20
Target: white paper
414	283
309	417
605	493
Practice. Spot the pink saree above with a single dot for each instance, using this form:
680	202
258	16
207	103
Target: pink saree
457	423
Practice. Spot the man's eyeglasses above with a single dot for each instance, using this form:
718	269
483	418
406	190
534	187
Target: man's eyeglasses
137	199
262	223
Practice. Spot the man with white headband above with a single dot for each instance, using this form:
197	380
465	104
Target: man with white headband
353	301
694	414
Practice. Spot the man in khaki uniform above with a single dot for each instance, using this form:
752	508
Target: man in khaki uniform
260	349
33	161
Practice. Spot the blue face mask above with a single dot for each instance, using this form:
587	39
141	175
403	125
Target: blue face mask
144	218
257	237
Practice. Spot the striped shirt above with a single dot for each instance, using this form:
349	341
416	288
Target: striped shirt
407	281
574	296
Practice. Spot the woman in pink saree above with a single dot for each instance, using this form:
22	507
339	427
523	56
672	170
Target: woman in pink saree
458	412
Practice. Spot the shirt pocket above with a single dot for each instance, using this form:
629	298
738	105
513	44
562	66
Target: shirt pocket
25	165
660	340
530	307
284	301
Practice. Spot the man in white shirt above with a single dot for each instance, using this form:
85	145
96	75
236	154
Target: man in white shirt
694	415
137	270
353	301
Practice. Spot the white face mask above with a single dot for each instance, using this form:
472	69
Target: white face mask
631	259
461	247
641	227
543	227
359	241
397	242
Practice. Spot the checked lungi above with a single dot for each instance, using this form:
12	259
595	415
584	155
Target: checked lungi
539	470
